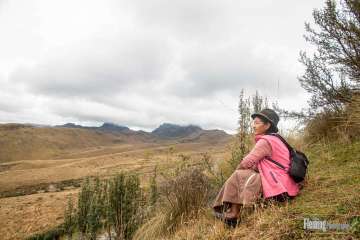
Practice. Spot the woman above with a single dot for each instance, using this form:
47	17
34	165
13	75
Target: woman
255	176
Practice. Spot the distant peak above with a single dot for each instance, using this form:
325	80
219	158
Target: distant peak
113	126
70	125
105	127
109	124
177	125
170	130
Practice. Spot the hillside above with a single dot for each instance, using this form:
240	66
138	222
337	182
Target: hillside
106	127
33	193
18	142
209	136
28	142
330	193
190	133
168	130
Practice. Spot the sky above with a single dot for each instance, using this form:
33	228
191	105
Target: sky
140	63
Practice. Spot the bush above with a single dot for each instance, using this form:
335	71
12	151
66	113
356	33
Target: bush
153	194
124	196
51	234
331	125
182	198
96	209
70	218
90	208
113	205
185	195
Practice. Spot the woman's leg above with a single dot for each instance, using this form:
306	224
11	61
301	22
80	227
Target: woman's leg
233	211
237	190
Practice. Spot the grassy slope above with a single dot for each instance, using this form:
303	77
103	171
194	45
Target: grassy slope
20	142
331	193
23	142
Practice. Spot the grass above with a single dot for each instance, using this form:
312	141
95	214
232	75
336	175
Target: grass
183	197
54	233
330	193
165	165
41	187
20	142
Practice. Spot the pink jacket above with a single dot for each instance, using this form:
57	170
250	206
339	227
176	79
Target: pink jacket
275	180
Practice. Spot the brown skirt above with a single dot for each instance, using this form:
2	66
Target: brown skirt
242	187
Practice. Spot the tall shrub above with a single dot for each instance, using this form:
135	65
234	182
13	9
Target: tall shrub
69	218
124	200
83	210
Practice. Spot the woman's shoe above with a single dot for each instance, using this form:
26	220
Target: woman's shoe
218	215
231	222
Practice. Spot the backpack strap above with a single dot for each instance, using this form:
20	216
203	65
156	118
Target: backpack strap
291	150
273	161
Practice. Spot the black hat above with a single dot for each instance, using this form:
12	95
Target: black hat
269	115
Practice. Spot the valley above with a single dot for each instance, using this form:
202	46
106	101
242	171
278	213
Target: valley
33	192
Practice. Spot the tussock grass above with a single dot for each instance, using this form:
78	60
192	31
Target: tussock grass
183	199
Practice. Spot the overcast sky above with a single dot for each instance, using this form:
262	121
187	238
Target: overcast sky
140	63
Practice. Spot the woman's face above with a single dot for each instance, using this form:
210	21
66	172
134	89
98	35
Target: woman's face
259	126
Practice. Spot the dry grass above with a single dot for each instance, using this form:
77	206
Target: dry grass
182	199
22	216
104	162
343	126
24	142
34	172
330	193
19	142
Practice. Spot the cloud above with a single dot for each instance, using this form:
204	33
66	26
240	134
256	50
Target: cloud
106	67
231	68
141	63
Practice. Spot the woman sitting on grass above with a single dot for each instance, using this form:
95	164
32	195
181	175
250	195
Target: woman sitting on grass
255	176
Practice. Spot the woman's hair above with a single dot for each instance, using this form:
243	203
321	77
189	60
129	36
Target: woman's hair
271	129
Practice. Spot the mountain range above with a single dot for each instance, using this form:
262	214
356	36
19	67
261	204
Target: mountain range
164	131
34	141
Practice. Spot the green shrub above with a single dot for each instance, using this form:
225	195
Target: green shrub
83	210
69	218
113	205
153	194
124	195
51	234
96	210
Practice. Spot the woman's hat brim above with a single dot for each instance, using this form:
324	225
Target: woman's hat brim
264	116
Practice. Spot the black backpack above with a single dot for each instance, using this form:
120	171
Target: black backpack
298	161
